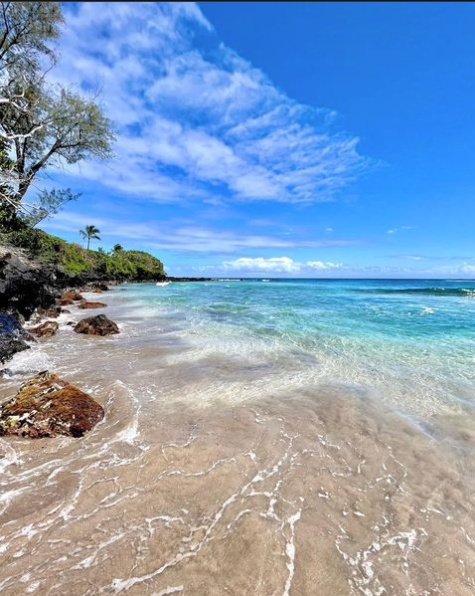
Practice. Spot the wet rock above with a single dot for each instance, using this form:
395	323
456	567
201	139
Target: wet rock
47	406
47	329
71	323
87	305
65	302
72	295
12	337
98	325
97	291
65	311
102	287
50	313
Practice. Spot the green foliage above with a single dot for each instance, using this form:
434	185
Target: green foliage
41	124
78	261
28	29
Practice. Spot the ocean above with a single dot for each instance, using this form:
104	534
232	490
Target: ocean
261	437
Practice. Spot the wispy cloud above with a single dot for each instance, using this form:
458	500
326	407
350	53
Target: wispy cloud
181	236
278	265
400	229
195	121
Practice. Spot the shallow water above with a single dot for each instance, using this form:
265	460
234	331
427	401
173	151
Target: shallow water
260	438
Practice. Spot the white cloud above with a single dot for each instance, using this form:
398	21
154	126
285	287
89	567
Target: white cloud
323	266
194	120
278	265
329	230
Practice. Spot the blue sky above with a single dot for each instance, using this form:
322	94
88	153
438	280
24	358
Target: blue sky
284	139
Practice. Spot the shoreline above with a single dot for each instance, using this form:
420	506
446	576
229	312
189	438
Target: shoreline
180	489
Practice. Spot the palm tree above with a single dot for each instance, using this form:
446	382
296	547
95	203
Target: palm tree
117	248
90	232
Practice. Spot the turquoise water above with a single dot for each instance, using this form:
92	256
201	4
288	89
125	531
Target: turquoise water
410	343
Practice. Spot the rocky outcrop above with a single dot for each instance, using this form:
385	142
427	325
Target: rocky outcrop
47	329
26	284
72	295
12	337
98	325
87	305
47	406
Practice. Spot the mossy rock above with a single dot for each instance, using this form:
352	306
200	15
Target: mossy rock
47	406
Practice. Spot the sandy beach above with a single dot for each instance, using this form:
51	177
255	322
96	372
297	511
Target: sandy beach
272	494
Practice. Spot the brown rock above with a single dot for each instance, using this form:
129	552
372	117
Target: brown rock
97	291
65	302
101	287
47	329
47	406
50	313
98	325
72	295
87	305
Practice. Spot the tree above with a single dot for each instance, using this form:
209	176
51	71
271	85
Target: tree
40	124
117	248
90	233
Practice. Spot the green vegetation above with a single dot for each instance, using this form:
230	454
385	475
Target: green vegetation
75	260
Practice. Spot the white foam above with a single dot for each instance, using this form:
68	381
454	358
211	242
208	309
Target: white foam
30	361
169	590
8	456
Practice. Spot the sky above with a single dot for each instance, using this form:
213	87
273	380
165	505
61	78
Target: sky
281	139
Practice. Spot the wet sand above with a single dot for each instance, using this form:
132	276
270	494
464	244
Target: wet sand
320	490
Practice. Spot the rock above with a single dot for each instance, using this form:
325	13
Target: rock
50	313
87	305
47	329
72	295
12	337
65	302
97	291
71	323
47	406
65	311
102	287
98	325
26	284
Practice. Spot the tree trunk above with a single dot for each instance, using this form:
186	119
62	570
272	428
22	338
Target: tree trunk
88	242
